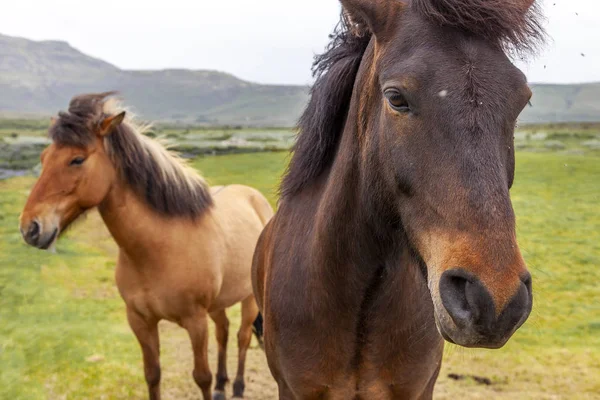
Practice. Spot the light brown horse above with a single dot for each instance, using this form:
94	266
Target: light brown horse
395	228
185	251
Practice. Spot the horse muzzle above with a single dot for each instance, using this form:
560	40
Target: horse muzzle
468	315
38	234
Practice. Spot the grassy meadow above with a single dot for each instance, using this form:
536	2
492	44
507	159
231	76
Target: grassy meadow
64	335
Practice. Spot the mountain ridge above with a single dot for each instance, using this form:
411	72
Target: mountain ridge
40	77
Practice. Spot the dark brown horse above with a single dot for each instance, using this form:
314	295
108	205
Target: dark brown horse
395	227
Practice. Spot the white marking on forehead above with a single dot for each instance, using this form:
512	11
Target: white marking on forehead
443	93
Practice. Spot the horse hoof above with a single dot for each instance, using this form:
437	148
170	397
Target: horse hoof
218	395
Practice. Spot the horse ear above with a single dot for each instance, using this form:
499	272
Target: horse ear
379	15
109	124
527	4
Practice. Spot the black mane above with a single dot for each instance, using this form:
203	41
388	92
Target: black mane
323	120
510	24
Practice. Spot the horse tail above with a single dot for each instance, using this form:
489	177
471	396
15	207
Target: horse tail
257	328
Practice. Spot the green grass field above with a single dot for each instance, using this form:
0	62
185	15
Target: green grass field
22	140
63	332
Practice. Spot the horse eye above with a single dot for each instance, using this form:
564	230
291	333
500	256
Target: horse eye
77	161
397	101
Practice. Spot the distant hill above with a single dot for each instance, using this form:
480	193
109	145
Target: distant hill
39	78
564	103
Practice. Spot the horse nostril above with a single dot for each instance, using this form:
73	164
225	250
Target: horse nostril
465	298
525	297
526	279
454	298
34	230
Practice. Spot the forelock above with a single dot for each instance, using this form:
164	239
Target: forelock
513	25
77	126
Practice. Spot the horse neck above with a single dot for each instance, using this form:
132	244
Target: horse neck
359	234
356	209
132	224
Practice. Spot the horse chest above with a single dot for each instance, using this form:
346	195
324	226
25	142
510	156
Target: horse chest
376	345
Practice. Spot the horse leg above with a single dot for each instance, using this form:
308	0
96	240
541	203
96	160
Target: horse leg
147	335
197	328
222	328
249	314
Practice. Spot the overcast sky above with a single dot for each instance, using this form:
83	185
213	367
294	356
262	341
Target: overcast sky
268	41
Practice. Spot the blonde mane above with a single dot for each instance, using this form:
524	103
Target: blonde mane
159	176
